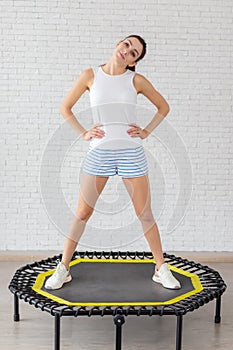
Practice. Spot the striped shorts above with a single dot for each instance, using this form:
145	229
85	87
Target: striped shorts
126	162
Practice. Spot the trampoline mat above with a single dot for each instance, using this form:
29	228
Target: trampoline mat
114	282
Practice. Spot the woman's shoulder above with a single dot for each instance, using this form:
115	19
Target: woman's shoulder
139	81
139	76
89	71
86	74
89	74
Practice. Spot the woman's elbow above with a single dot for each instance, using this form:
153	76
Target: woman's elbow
66	112
165	109
62	107
168	108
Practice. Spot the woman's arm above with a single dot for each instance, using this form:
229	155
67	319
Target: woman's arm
80	86
146	88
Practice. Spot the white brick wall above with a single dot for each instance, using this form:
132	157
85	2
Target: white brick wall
44	47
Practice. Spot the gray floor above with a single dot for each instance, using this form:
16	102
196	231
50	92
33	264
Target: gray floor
35	330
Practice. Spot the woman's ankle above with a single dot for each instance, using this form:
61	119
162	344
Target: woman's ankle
66	265
158	265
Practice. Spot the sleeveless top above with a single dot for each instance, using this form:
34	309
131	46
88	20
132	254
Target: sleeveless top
113	100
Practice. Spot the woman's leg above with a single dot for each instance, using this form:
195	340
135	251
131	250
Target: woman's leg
90	189
139	191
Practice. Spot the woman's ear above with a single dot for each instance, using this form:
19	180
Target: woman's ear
134	64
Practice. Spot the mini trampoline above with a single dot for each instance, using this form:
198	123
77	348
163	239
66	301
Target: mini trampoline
117	284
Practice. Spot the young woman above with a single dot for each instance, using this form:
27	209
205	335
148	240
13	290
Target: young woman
115	148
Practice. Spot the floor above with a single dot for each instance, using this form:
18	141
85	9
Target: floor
36	328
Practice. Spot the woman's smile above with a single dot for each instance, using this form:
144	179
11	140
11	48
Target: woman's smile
122	56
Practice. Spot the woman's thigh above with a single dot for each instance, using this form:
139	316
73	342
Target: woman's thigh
139	191
90	189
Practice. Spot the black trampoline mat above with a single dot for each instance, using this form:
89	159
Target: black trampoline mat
112	282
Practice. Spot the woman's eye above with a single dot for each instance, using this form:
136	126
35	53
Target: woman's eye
133	53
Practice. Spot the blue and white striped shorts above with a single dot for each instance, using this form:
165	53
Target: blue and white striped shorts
126	162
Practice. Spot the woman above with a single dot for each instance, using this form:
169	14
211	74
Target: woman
115	148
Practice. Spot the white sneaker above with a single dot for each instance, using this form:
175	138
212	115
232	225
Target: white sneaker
60	276
166	278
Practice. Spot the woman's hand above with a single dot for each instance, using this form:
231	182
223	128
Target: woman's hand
93	132
136	131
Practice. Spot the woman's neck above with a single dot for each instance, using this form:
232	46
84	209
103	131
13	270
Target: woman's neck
113	68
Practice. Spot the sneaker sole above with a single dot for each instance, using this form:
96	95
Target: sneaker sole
158	280
68	279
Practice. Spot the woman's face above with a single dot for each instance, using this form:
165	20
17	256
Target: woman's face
128	50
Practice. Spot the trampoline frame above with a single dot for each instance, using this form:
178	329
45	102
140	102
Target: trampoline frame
25	277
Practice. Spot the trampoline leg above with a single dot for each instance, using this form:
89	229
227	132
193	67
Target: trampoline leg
16	308
57	332
218	310
119	320
179	322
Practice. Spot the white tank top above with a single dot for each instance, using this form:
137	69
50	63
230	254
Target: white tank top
113	99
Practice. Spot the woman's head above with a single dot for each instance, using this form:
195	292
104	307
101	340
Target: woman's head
131	50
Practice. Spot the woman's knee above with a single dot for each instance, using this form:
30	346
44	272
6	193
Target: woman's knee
84	215
145	215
